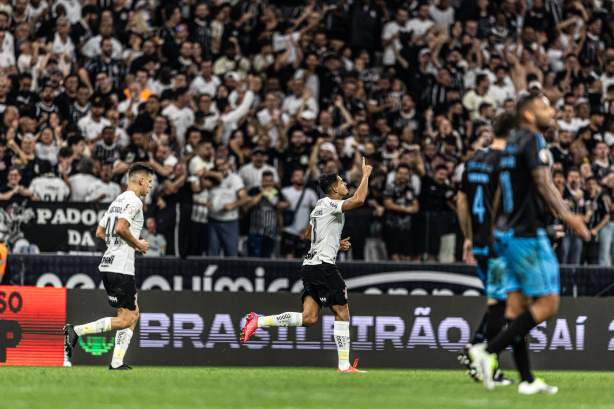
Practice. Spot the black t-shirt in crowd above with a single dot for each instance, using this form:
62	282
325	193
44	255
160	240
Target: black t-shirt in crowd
401	196
523	210
565	159
263	216
599	209
434	197
600	171
479	182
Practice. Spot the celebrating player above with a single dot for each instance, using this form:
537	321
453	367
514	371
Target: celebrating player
474	206
120	227
323	285
526	191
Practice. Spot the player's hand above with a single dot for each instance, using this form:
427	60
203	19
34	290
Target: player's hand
366	169
142	246
344	245
468	256
228	207
576	223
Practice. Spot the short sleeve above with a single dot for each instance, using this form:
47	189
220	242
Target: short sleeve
238	184
131	210
535	152
337	206
103	221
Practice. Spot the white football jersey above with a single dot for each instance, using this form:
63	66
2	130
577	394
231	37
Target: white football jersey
49	188
327	220
119	257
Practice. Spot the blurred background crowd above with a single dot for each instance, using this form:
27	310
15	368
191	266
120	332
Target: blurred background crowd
239	106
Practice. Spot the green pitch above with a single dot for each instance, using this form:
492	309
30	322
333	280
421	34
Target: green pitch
155	387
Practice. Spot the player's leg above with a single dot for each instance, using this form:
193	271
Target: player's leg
342	334
127	318
73	332
309	316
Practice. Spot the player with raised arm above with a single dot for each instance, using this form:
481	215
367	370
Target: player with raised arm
323	285
474	206
120	228
532	275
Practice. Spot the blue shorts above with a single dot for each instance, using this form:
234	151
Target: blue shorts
491	272
532	265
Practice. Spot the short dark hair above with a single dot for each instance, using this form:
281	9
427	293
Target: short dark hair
404	165
267	173
573	169
479	79
327	182
558	172
503	124
593	178
180	91
140	168
524	103
441	167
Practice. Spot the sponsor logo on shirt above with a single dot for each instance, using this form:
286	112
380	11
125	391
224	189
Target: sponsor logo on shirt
113	299
108	260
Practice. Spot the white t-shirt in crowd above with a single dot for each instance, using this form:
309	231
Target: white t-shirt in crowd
79	186
90	128
201	86
226	192
301	215
252	177
49	188
182	118
111	191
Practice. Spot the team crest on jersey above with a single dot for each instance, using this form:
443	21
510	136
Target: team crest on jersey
131	209
544	158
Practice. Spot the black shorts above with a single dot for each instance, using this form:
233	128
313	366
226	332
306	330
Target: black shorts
398	241
295	245
324	284
121	289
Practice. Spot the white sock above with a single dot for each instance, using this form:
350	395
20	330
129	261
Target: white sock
342	339
96	327
286	319
122	341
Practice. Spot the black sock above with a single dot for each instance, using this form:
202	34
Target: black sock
519	327
496	320
521	358
480	332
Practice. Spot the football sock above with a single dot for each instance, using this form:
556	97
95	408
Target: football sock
521	358
342	339
286	319
517	328
96	327
495	320
480	332
122	341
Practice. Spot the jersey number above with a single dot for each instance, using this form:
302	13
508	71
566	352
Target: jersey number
478	204
506	188
110	232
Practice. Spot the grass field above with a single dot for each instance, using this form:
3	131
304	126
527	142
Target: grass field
155	387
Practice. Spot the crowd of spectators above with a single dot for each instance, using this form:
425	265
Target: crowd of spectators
240	105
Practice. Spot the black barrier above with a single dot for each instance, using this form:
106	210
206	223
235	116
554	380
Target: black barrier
260	275
250	275
191	328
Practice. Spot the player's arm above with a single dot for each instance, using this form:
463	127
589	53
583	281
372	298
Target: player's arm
545	187
122	228
100	233
307	235
361	193
464	217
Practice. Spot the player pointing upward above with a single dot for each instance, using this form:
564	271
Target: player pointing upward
120	227
323	285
